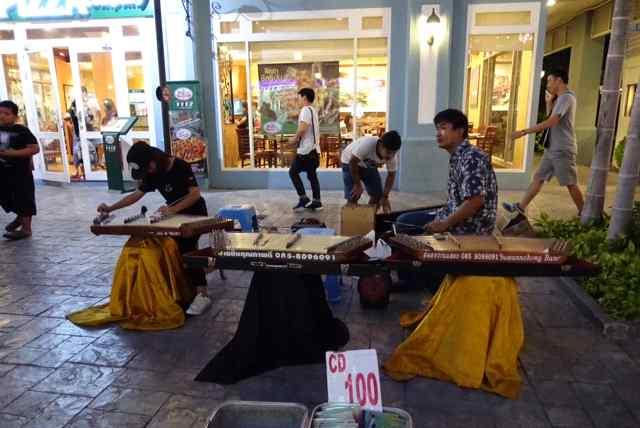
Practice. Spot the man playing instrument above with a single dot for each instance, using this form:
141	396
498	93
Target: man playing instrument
472	187
174	179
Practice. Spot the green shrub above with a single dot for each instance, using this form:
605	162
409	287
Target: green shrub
618	152
617	287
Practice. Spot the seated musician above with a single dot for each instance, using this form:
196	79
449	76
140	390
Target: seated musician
174	179
360	162
472	187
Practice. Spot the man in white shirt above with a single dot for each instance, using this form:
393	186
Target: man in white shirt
360	162
308	152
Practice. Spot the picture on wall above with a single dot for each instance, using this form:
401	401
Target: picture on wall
501	87
474	86
279	85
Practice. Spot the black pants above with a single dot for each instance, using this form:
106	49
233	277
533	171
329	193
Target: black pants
309	164
17	193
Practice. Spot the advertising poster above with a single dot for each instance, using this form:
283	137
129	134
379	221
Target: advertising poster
279	85
185	124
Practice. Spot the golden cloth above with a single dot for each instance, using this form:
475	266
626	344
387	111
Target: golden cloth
470	333
149	289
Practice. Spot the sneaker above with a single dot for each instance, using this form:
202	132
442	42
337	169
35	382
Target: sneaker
14	225
314	206
513	208
17	235
302	203
200	304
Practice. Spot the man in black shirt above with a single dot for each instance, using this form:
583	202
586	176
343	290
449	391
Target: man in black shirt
17	191
174	179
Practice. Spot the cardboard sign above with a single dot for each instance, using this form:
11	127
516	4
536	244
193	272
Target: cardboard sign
353	377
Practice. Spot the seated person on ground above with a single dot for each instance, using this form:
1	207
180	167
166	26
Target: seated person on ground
472	188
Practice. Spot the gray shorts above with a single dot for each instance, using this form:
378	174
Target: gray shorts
561	165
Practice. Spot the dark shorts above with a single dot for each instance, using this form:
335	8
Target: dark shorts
369	176
19	194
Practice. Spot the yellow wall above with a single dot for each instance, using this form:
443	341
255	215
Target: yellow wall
63	73
103	77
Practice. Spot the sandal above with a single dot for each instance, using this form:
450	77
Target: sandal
17	235
14	225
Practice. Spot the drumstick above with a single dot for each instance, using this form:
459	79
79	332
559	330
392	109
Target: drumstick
454	240
398	223
258	238
498	240
293	240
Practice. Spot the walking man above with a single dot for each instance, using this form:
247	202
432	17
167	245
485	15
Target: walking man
307	158
559	159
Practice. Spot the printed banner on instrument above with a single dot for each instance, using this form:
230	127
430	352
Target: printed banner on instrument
353	377
279	86
185	122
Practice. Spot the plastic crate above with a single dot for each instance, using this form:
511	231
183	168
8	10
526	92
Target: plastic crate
393	410
259	414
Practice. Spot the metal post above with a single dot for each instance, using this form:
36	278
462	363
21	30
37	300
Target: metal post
162	73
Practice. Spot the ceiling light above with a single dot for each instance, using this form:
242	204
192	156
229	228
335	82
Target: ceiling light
551	3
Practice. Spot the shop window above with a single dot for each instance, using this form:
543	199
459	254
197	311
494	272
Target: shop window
130	30
372	23
497	96
43	92
229	27
371	106
97	89
631	94
14	84
6	35
277	71
136	90
66	33
301	25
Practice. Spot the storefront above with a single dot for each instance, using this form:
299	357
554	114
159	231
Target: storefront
89	61
375	66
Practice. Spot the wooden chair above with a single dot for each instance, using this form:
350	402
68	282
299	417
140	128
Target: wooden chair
263	152
333	152
488	140
286	152
244	146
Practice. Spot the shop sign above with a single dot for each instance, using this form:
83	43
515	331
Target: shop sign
353	377
185	122
31	10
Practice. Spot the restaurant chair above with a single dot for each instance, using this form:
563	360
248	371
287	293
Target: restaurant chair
487	140
333	152
244	146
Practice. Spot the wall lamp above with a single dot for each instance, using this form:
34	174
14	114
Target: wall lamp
432	27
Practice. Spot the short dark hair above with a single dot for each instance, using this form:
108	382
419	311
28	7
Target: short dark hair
391	141
13	107
560	74
456	118
308	94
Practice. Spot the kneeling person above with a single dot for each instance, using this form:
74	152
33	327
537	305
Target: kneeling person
174	179
360	162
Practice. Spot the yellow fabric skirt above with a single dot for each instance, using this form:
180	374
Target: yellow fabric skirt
470	333
149	289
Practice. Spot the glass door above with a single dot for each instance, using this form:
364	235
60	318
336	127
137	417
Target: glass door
46	118
95	96
12	83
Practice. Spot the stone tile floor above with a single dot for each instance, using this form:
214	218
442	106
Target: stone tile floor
54	374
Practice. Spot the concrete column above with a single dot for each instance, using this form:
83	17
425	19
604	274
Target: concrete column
203	63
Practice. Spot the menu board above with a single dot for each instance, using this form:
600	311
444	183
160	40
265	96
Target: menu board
279	85
185	124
